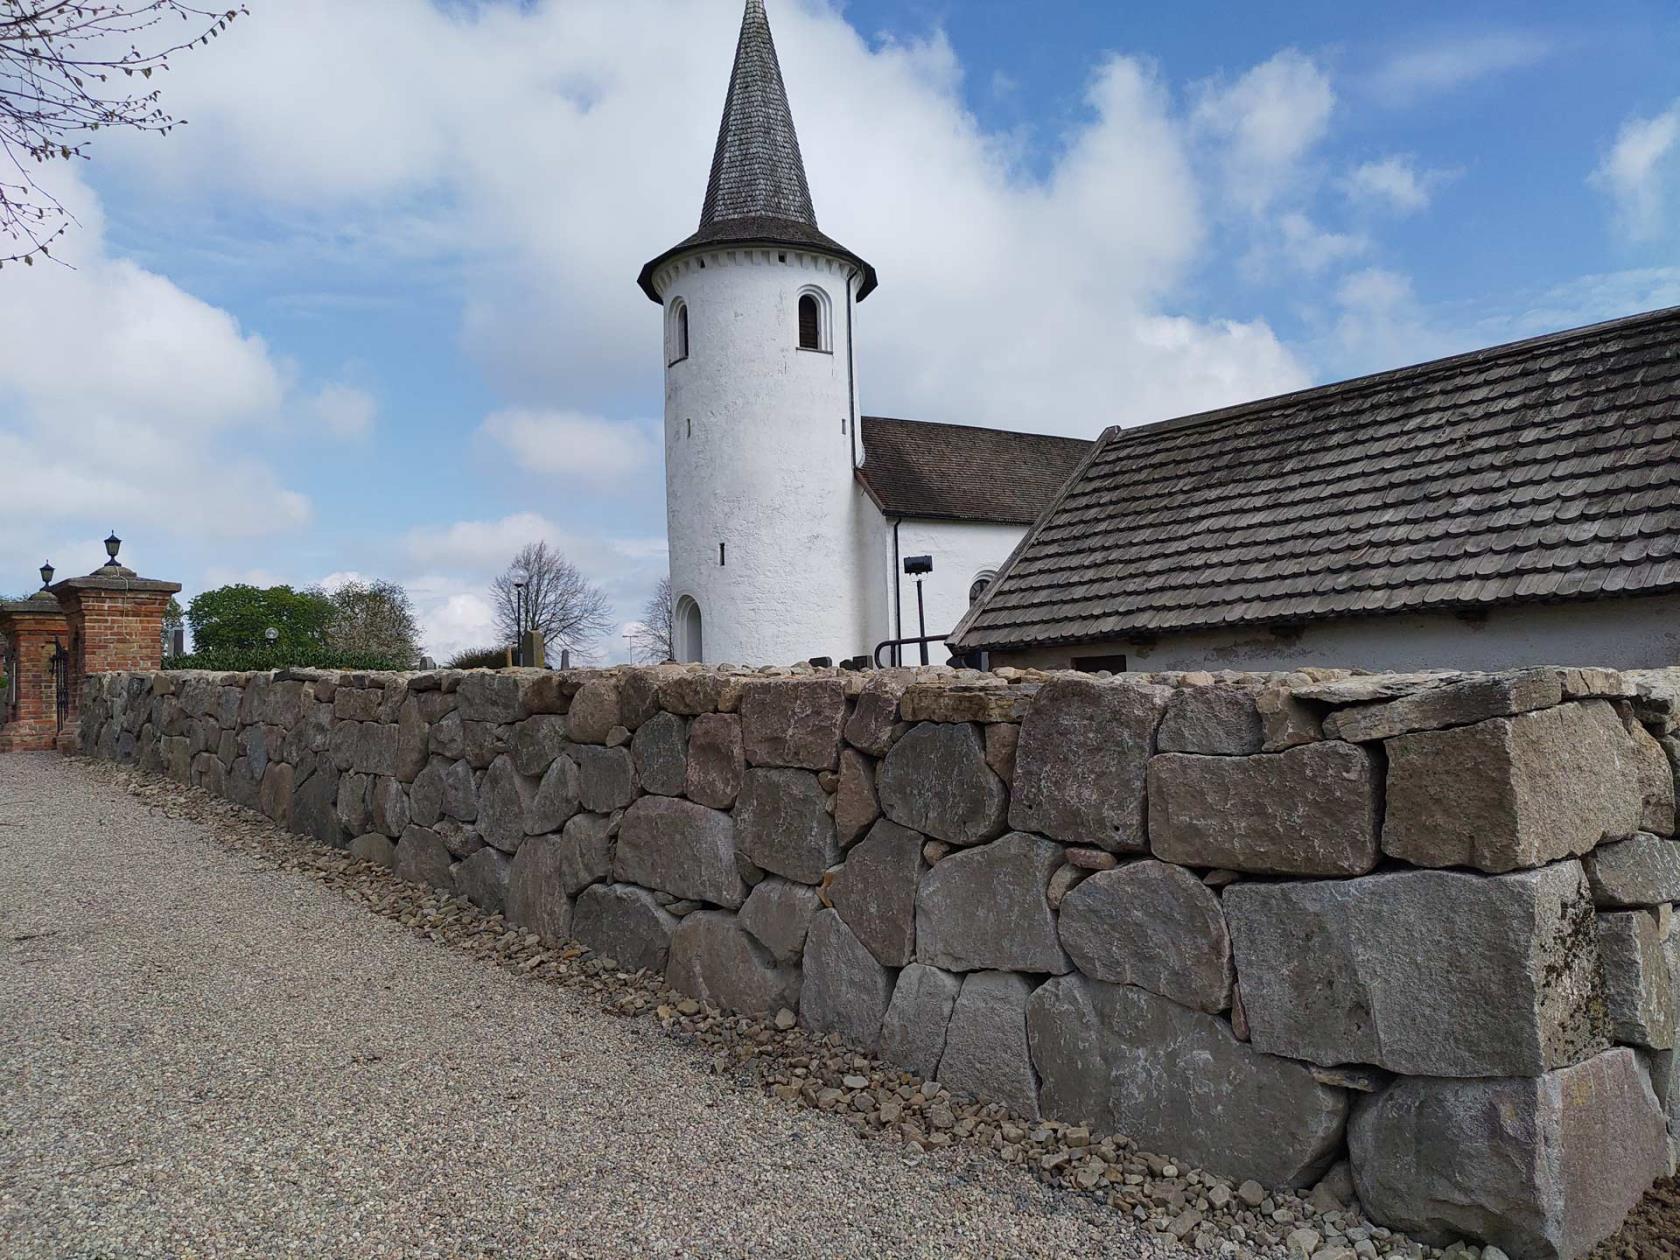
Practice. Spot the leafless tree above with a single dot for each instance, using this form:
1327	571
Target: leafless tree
376	618
571	611
655	642
66	70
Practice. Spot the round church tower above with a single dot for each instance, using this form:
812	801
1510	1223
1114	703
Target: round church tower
765	521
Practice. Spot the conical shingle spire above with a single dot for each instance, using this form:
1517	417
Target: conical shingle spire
757	172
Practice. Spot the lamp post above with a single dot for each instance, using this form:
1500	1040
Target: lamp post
919	567
113	544
519	607
46	575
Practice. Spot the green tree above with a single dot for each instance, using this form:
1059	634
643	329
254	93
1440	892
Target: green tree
238	618
374	617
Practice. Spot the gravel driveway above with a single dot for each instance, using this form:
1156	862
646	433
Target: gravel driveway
203	1056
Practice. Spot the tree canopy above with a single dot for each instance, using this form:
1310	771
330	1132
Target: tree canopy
542	590
237	618
376	618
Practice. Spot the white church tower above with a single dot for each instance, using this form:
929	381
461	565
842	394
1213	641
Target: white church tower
766	525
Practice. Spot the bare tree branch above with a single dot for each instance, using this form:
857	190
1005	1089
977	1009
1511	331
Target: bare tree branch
59	67
655	642
570	610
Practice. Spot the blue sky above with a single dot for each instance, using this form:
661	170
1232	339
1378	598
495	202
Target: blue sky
372	311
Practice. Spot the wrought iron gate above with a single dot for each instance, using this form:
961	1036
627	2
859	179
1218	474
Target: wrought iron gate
61	681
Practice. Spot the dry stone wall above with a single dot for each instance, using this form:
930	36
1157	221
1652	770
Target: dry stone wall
1423	924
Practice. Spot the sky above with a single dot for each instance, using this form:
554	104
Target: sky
372	312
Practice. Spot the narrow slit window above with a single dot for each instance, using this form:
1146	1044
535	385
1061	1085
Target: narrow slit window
679	333
721	560
810	323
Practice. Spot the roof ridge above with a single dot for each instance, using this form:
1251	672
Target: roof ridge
1411	371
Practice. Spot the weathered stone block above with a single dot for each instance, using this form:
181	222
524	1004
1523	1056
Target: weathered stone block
986	1050
960	702
913	1030
375	748
274	794
1462	703
374	848
874	723
1639	995
482	743
793	723
538	895
458	838
716	760
1656	781
448	737
695	692
594	711
1512	792
387	807
1126	1061
606	777
1643	870
782	824
936	781
713	959
856	806
557	798
1284	721
1374	970
425	795
1002	741
1079	767
1312	810
460	792
660	749
845	989
1541	1167
314	801
483	880
875	892
1217	720
504	798
681	848
536	742
625	923
778	913
422	858
1154	926
985	909
486	696
352	800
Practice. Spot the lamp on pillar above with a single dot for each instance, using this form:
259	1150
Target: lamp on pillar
113	544
46	575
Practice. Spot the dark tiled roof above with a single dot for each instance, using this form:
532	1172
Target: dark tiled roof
954	472
758	193
1545	470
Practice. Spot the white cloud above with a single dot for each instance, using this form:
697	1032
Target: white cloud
1267	120
1419	73
565	442
346	411
1300	245
1392	183
1639	171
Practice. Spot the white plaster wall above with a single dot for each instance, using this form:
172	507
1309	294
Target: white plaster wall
961	551
758	457
1633	633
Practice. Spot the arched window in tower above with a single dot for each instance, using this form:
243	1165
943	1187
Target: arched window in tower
813	320
678	350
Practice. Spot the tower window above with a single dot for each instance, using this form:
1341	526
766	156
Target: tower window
677	350
813	321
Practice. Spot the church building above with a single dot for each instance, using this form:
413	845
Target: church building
792	518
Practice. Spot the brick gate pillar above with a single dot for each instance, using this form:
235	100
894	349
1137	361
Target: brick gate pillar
33	628
115	619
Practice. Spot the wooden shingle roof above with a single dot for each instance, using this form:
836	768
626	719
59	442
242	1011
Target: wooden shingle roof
955	472
1544	470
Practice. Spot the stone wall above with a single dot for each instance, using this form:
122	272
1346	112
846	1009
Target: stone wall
1423	924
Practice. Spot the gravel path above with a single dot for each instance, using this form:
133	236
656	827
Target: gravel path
201	1055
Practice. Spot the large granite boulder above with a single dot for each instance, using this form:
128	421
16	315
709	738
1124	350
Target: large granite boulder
314	798
681	848
1656	781
460	792
1220	721
606	777
716	760
1080	762
1126	1061
793	723
1641	871
594	711
936	781
625	923
1458	703
1513	792
1312	810
1374	970
1154	926
422	858
489	696
856	806
713	959
986	1050
845	989
913	1031
536	742
874	723
559	796
1542	1167
875	891
1639	995
660	749
782	823
483	879
425	795
778	913
387	805
538	896
986	909
504	798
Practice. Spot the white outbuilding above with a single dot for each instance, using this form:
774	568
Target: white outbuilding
791	517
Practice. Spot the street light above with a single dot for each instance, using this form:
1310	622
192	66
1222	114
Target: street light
519	607
113	544
272	635
46	575
919	567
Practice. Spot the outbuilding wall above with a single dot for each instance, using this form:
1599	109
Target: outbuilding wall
1420	925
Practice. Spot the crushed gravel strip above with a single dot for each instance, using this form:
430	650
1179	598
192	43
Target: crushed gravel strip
203	1055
